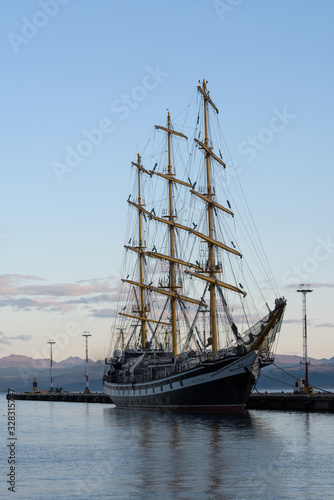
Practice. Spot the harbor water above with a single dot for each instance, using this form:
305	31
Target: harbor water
82	450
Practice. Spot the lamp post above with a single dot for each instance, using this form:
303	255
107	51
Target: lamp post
304	289
87	334
51	342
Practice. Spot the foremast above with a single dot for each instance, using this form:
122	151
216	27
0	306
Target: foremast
213	313
213	267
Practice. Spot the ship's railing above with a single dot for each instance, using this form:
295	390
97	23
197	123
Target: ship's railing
155	372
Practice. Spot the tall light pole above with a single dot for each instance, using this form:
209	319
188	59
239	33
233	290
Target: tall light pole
87	334
304	289
51	342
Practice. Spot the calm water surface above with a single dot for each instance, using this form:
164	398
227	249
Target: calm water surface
78	450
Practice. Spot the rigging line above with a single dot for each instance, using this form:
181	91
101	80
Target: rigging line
150	139
251	217
296	378
276	342
192	327
271	378
131	337
260	241
150	327
156	328
189	170
148	157
285	371
232	270
323	390
246	314
158	147
186	108
143	150
251	244
248	268
255	244
253	249
186	319
182	149
179	125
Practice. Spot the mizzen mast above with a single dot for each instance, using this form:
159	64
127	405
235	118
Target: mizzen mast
141	308
142	311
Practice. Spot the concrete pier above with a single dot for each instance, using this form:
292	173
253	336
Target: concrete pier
292	402
70	397
261	401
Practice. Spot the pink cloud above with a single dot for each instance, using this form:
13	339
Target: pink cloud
16	293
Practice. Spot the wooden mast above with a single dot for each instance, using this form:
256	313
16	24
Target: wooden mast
171	217
209	194
141	310
171	243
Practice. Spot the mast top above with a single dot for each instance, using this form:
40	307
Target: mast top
169	130
206	96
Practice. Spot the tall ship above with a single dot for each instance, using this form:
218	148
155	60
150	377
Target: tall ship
188	334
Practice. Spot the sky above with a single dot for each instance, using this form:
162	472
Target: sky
83	82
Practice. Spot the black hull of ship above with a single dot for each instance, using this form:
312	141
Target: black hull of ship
221	386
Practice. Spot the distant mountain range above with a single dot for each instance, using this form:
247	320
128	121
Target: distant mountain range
26	361
18	372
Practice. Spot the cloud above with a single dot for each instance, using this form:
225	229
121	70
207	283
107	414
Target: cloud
21	292
63	289
94	280
89	300
11	284
9	340
325	325
27	304
8	282
103	313
3	339
322	285
23	338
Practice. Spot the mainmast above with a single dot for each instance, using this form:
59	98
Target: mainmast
171	218
171	242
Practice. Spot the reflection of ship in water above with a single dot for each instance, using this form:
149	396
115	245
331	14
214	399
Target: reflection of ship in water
179	447
182	259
